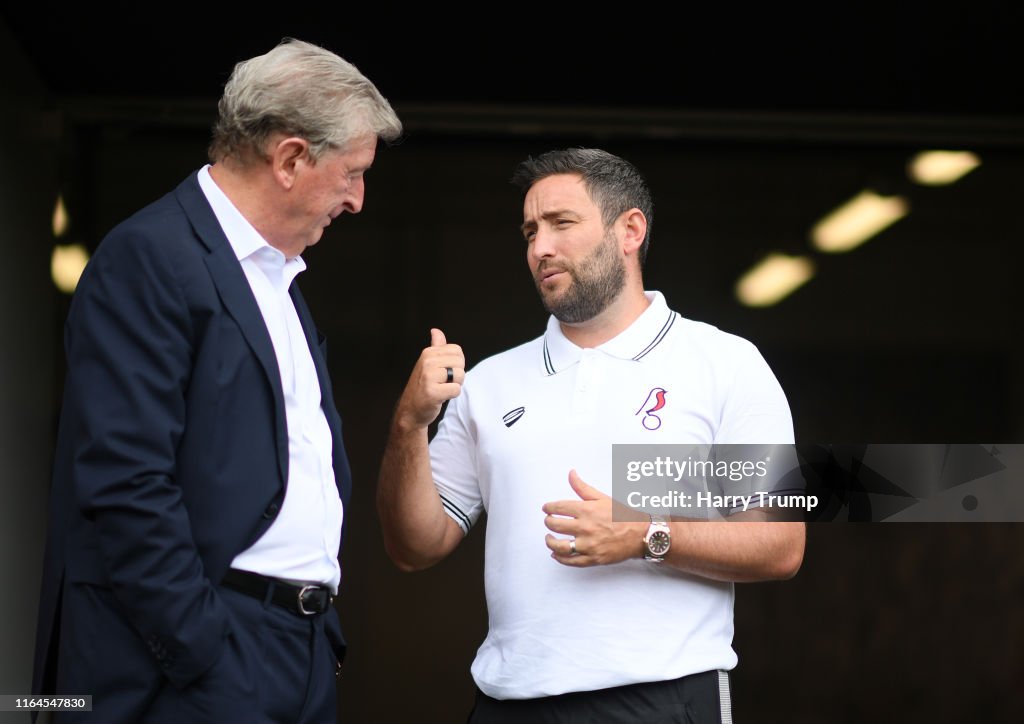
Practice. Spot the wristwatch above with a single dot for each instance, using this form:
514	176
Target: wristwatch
657	540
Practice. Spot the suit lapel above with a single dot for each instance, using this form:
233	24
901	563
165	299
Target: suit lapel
341	473
313	340
238	299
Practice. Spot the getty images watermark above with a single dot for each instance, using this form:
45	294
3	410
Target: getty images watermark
935	482
710	482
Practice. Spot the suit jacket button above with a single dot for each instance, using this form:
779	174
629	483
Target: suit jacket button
271	511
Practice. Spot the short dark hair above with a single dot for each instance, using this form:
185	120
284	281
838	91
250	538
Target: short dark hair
613	183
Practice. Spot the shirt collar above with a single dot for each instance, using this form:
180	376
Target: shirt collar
244	239
634	342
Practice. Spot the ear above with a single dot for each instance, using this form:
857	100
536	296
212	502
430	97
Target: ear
287	156
634	227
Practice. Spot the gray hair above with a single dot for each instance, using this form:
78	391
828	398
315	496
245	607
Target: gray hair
613	183
303	90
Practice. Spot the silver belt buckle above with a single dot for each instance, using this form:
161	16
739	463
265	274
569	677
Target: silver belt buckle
302	607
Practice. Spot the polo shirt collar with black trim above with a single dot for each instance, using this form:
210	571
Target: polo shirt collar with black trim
634	342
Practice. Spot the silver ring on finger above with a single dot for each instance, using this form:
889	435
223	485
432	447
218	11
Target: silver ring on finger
572	547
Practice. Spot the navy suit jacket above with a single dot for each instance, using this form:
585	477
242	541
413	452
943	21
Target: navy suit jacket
172	452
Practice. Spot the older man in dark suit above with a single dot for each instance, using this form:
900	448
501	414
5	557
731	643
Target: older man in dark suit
200	477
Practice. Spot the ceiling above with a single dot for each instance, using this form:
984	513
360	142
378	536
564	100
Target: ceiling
898	61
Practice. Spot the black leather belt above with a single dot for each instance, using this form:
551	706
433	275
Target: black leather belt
308	600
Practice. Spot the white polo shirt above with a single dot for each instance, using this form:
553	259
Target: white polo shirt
524	419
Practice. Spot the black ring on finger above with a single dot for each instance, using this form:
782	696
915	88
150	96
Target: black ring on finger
451	374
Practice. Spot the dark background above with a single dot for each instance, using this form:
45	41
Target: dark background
750	125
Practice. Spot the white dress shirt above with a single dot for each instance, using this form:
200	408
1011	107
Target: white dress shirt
303	541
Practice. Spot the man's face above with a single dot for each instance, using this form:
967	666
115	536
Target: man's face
325	190
576	262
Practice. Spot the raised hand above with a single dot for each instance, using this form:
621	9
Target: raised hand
436	378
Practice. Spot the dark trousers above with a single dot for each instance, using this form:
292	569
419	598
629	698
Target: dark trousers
275	668
696	699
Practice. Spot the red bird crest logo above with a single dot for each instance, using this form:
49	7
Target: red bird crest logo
654	402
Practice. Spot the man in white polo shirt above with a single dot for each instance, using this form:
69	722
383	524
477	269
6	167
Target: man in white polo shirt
590	619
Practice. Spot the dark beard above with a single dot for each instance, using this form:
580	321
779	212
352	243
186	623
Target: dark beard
596	282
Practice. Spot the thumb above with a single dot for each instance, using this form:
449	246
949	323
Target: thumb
437	338
581	488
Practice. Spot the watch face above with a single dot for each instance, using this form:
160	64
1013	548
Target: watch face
658	542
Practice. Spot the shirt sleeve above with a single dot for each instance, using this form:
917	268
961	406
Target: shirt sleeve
755	438
755	410
453	462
